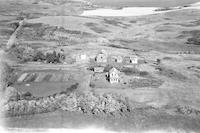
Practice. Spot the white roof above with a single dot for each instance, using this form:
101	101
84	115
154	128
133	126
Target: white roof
114	70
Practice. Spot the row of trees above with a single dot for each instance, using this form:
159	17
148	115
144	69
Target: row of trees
26	53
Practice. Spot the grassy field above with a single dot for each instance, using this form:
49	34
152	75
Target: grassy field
166	95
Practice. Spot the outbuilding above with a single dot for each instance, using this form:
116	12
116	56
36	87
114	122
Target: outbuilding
117	59
98	69
131	59
101	58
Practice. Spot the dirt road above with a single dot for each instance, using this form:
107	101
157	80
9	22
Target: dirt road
12	38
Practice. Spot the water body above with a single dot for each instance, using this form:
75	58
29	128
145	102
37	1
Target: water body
143	3
134	11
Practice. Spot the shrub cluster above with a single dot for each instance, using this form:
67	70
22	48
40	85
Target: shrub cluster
25	53
194	40
83	102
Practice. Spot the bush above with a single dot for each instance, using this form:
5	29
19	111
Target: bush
23	53
129	71
27	96
39	56
52	58
194	40
143	73
6	77
72	88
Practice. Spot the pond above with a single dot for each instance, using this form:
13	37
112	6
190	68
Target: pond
135	11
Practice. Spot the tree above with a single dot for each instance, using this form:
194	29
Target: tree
50	58
194	40
23	52
39	56
5	73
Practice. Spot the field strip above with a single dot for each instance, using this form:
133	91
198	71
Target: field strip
30	78
58	77
53	78
40	77
22	77
47	77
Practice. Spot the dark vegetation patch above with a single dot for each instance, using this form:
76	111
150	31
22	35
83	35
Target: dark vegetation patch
167	18
32	25
8	75
167	58
6	32
47	77
126	41
187	110
30	15
190	24
196	22
89	103
133	21
164	9
192	32
171	73
164	29
30	77
36	45
197	75
194	37
25	53
72	88
4	22
147	82
194	40
117	46
116	23
13	25
96	28
133	71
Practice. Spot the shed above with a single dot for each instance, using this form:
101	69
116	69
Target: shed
117	59
101	58
98	69
131	59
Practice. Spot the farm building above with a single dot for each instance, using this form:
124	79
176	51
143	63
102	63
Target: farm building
101	58
113	76
131	60
117	59
81	57
134	60
98	69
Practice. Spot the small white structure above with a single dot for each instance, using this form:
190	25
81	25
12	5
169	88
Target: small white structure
101	58
98	69
131	59
117	59
134	60
113	76
81	58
